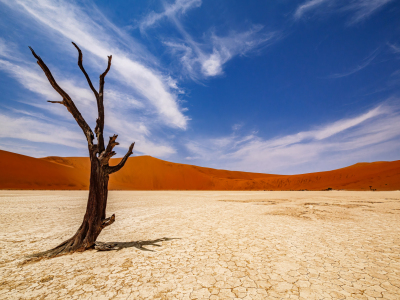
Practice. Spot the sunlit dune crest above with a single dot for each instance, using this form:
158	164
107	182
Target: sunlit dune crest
149	173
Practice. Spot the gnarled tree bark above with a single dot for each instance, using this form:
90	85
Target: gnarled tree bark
95	217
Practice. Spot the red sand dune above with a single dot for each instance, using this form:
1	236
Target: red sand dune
148	173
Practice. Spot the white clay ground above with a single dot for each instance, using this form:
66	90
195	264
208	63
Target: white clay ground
206	245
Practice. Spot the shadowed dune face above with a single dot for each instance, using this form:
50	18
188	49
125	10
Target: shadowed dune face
148	173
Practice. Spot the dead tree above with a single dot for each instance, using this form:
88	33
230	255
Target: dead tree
95	217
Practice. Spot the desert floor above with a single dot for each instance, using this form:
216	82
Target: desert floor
206	245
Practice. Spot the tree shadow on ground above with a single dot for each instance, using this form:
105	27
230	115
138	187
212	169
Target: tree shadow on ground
100	246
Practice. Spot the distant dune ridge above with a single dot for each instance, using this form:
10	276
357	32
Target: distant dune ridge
149	173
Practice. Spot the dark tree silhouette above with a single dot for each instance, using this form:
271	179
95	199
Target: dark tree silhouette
95	217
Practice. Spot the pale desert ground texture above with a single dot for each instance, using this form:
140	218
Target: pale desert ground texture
206	245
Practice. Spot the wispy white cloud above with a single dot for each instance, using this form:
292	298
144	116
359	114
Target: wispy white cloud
207	59
144	143
36	82
327	147
31	129
395	48
237	126
75	24
178	7
308	6
29	113
364	8
7	49
21	147
357	68
225	48
361	9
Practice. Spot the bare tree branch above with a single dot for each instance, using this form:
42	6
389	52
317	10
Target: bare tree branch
113	169
112	143
100	106
67	101
102	76
108	221
96	94
105	155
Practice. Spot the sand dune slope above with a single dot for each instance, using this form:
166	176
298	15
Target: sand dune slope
148	173
24	172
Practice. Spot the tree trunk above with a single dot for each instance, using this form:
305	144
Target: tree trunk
95	217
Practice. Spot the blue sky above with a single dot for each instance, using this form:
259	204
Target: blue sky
265	86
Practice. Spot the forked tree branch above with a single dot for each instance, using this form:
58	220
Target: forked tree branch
112	143
116	168
105	156
99	99
67	101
